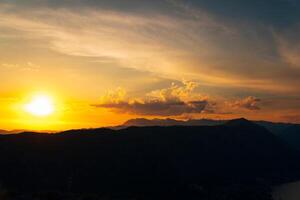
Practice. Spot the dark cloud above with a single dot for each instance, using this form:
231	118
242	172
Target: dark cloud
277	13
156	107
134	6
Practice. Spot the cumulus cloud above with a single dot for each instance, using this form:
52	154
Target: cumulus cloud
176	100
176	92
114	96
170	101
249	103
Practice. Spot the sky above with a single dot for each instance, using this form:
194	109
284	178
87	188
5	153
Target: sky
104	62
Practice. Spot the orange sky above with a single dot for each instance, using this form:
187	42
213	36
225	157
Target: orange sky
103	63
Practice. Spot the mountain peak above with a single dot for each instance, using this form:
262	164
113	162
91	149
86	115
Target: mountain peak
240	122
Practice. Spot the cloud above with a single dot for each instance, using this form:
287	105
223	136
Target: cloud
29	66
156	107
288	46
114	96
172	101
176	92
190	45
249	103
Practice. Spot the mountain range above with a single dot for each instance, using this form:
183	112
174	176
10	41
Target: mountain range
274	127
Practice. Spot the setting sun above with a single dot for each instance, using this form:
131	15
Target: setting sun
40	105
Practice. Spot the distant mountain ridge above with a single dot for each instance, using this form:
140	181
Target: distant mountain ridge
11	131
5	132
172	122
274	127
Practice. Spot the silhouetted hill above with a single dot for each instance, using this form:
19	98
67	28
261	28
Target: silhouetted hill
274	127
289	133
241	122
147	161
292	136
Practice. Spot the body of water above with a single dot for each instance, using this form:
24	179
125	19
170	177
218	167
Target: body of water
289	191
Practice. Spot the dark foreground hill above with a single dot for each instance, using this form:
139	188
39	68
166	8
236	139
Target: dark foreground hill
231	161
291	135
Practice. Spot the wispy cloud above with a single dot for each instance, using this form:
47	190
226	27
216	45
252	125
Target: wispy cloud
29	66
288	46
194	46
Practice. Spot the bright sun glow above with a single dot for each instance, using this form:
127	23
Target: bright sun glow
40	105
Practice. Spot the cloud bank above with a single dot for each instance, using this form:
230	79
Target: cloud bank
173	101
156	107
